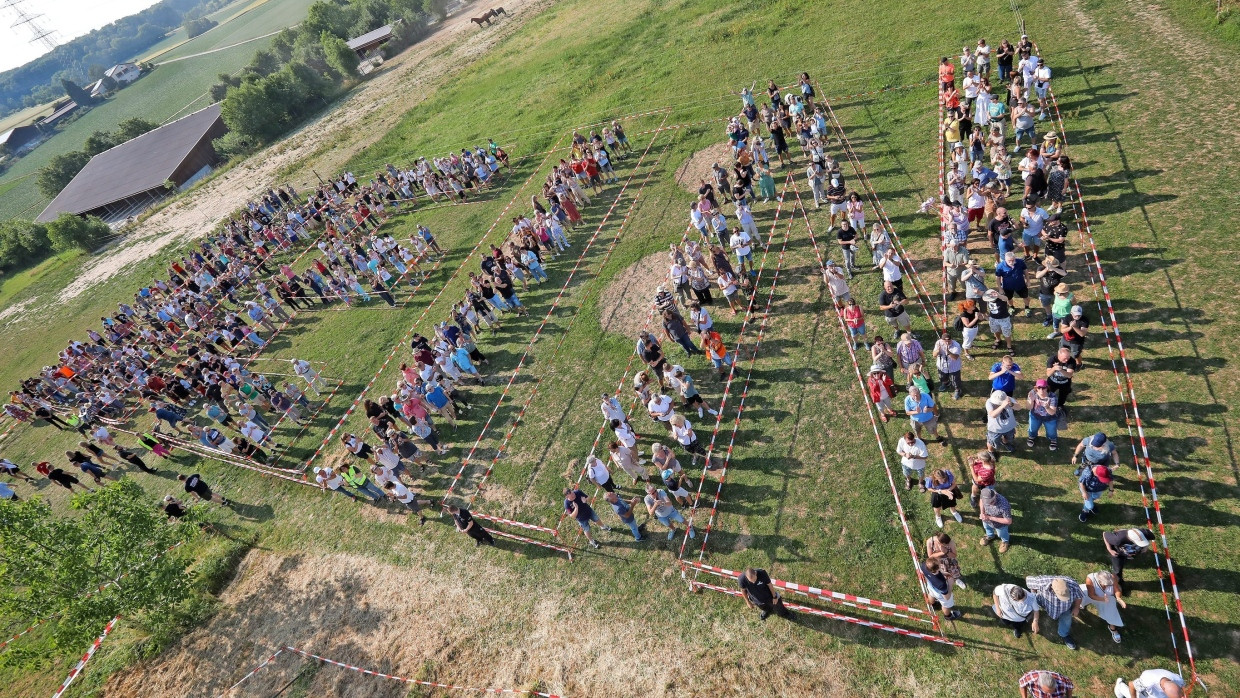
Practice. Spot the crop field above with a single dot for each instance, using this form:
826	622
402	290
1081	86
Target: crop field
806	492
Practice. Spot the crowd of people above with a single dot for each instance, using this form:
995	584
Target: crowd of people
181	353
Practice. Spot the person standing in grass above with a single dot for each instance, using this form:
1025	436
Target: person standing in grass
1043	412
624	510
1000	422
1013	606
660	506
1060	599
854	320
882	390
982	465
577	504
1095	450
944	494
940	589
624	458
892	301
941	549
195	486
996	516
923	413
947	353
1125	545
1045	684
913	454
1099	589
464	522
759	593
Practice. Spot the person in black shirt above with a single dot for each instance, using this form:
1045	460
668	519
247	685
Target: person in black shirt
465	524
1124	544
847	237
1001	222
891	301
760	593
1060	369
1049	276
195	485
133	457
1055	238
173	508
1073	330
708	190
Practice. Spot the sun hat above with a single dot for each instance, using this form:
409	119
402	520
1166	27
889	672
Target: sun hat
998	395
1103	474
1061	288
875	368
1059	586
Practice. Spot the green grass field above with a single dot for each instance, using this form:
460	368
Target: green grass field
806	496
170	91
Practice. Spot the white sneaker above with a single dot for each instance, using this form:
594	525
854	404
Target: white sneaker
958	517
960	583
938	521
713	412
699	413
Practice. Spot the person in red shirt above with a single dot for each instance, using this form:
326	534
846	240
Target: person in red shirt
947	74
882	389
592	172
982	465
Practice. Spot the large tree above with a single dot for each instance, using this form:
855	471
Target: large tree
60	170
53	566
76	93
69	231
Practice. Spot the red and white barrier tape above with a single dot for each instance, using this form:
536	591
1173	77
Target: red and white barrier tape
425	311
533	339
253	671
837	616
420	682
878	438
858	602
77	668
732	372
512	522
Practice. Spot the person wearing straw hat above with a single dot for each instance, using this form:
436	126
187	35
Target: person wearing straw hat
1060	600
1045	684
1099	588
882	390
1124	545
1049	276
1152	683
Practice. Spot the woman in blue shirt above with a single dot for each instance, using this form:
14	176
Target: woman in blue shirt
944	494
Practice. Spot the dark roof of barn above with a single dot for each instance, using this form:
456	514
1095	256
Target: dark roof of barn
135	166
381	34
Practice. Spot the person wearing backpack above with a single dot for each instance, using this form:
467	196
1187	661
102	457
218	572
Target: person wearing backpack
1093	482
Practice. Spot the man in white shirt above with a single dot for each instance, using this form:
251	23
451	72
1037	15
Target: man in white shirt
1032	220
913	454
1152	683
1041	87
742	245
660	409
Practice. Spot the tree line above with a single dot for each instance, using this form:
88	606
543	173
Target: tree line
308	66
85	58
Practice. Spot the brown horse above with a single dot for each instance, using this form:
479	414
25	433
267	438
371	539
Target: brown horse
488	16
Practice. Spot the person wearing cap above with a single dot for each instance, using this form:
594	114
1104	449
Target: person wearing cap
1045	684
1049	276
999	318
1093	482
328	480
1000	422
1073	331
1043	412
577	504
1124	545
947	353
1060	599
923	413
1096	450
1013	606
882	390
674	479
1099	588
892	301
660	506
1152	683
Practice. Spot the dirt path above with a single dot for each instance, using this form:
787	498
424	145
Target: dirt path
470	627
324	144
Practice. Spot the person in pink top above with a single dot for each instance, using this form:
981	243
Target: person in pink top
854	318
